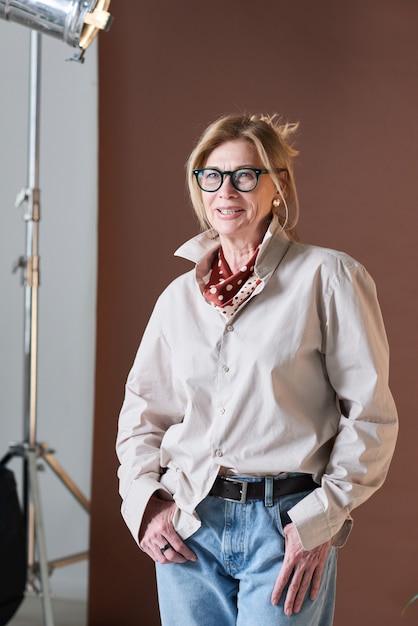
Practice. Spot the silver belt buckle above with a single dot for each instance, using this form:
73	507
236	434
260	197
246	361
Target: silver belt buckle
244	487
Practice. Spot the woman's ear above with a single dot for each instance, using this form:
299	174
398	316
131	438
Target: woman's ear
283	177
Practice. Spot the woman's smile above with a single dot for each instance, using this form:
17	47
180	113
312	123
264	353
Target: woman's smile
226	211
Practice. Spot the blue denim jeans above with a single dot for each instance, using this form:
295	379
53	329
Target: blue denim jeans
240	548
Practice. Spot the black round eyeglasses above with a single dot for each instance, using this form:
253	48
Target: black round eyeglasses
243	179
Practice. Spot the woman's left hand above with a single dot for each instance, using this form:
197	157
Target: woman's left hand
301	569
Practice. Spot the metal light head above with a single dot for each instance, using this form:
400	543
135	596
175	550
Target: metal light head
77	22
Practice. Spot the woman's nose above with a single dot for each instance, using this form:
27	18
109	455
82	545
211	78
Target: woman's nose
227	188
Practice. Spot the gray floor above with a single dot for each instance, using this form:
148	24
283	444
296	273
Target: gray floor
66	612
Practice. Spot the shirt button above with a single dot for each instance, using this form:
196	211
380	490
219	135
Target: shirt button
225	368
222	411
230	328
218	453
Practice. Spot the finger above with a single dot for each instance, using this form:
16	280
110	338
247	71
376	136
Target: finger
179	556
300	595
173	551
295	594
180	547
277	591
319	570
166	547
316	580
280	584
170	556
155	548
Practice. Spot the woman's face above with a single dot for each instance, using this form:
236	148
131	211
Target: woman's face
240	217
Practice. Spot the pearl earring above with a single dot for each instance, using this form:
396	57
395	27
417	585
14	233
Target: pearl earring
276	202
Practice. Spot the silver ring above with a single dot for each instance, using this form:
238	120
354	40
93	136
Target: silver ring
166	547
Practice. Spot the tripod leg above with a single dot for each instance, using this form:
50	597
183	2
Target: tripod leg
65	478
40	539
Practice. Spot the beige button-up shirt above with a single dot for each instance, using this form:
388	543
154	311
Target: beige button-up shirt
295	381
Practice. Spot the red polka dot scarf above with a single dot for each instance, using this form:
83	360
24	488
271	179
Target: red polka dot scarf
223	285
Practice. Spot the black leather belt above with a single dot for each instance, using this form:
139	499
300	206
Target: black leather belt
238	490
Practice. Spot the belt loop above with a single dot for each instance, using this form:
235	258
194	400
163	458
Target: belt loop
268	491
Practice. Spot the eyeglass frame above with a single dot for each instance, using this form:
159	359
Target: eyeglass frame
257	171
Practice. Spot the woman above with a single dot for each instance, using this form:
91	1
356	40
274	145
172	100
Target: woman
257	413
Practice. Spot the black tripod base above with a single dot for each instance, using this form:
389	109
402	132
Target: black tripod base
35	574
12	547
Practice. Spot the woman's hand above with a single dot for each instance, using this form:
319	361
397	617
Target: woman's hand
301	568
157	532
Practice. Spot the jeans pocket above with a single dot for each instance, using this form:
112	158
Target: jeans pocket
285	503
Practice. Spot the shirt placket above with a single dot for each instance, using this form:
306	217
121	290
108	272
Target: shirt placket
224	392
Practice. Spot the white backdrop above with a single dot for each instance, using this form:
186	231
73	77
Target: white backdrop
67	295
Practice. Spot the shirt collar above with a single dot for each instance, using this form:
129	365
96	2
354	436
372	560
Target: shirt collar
201	248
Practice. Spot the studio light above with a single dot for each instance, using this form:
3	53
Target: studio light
77	22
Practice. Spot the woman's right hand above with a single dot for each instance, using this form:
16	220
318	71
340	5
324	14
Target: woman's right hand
157	532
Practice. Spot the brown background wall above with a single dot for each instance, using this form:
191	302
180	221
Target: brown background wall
348	72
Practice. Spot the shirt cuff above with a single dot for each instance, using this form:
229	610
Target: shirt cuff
185	524
136	500
313	525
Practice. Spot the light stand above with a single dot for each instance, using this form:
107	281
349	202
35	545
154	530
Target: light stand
38	571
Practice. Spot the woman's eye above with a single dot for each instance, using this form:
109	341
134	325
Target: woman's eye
245	175
212	176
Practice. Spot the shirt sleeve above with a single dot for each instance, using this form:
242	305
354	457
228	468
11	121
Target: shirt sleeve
356	357
149	409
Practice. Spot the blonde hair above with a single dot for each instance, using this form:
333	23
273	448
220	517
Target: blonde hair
271	140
